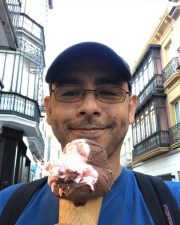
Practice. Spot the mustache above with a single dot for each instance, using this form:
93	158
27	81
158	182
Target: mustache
89	122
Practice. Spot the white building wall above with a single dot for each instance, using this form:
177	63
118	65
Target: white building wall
169	164
126	149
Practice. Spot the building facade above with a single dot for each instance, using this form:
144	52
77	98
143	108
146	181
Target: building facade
156	77
21	91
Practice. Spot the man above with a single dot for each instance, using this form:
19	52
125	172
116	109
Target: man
90	97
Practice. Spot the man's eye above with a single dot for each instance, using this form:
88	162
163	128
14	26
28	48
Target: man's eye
70	93
107	93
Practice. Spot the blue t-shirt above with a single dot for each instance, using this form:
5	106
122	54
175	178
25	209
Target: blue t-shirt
123	205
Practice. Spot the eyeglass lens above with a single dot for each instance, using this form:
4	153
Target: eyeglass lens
74	94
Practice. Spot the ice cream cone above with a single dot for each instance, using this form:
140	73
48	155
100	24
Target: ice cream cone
82	215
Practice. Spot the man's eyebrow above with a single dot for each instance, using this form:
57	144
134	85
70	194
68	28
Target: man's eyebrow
102	81
70	81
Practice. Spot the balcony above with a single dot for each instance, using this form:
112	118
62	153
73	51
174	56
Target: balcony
23	114
36	146
32	28
174	133
171	73
155	83
126	159
9	16
153	145
16	104
14	11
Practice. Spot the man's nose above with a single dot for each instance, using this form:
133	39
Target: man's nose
89	105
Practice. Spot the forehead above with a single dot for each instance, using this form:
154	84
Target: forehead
89	67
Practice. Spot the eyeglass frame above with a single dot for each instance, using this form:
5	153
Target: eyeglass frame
96	95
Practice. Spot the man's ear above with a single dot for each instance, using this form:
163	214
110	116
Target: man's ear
132	108
47	106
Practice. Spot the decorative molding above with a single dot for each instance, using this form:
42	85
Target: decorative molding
164	22
167	84
151	154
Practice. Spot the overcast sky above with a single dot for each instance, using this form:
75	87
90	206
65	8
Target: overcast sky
124	25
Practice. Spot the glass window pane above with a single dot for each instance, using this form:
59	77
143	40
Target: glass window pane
2	60
141	82
36	84
150	69
137	86
142	127
15	73
170	52
134	134
145	76
20	74
147	124
163	118
133	89
8	72
138	131
177	111
25	77
32	76
158	66
153	121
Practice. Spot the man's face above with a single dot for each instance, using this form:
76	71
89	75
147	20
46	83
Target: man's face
89	118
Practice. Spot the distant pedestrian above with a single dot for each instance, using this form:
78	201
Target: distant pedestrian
4	185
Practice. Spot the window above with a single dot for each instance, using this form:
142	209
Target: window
147	122
142	127
49	149
2	60
16	65
170	54
129	144
32	74
25	77
133	88
177	111
8	72
141	82
123	150
137	86
151	72
134	134
145	76
153	120
138	130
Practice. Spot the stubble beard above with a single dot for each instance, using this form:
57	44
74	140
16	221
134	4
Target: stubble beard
115	137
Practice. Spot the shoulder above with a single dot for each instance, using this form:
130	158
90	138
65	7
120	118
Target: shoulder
174	187
6	194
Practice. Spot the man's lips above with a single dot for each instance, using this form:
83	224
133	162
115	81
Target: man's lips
88	130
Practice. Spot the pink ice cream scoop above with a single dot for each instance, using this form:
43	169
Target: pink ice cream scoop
82	172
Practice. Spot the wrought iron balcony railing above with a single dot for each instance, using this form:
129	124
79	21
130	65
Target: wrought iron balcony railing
156	140
14	7
174	133
156	82
170	69
31	27
16	104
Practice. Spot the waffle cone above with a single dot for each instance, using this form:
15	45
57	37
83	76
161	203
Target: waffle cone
82	215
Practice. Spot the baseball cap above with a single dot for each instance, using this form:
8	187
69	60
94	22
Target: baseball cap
85	49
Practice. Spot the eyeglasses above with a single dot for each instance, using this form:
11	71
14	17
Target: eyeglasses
110	95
